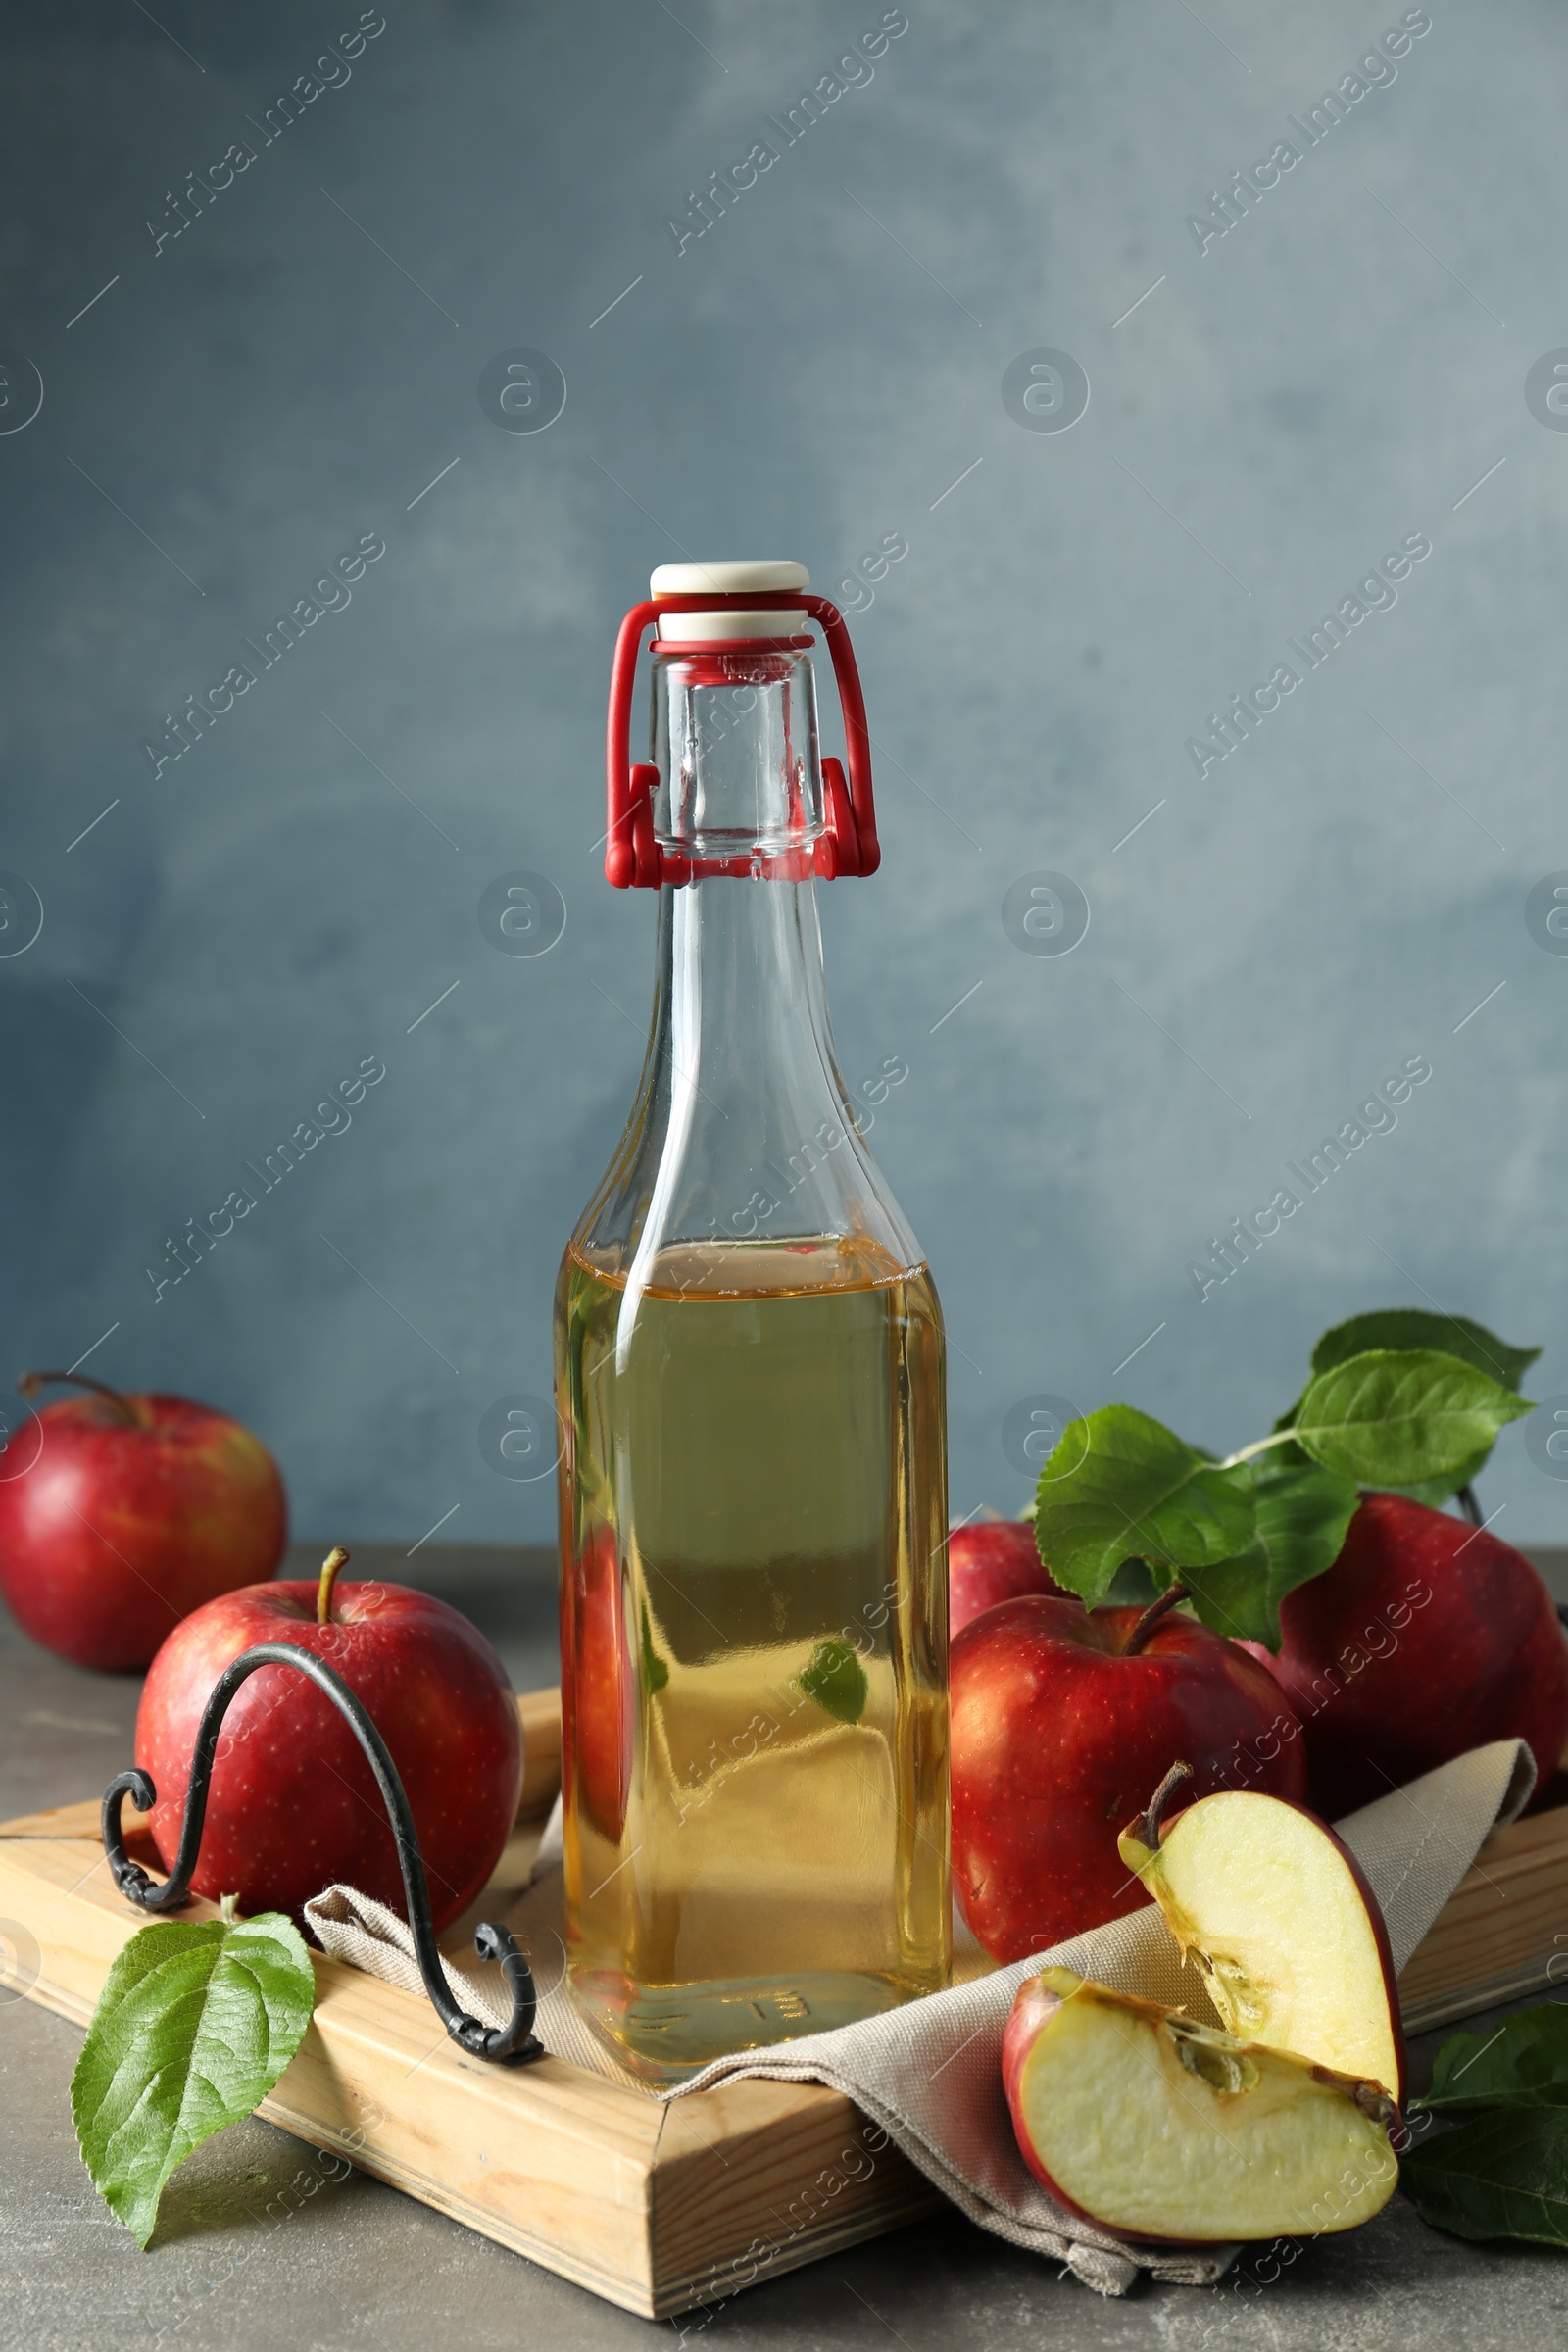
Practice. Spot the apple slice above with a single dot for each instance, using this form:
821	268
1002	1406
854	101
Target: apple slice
1275	1912
1146	2123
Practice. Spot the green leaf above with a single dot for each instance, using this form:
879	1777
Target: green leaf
1402	1328
1121	1484
1302	1514
1500	2175
836	1680
1524	2065
197	2022
1389	1418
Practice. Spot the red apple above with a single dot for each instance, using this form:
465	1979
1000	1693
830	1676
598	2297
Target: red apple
1426	1638
118	1515
1063	1718
990	1560
293	1807
598	1688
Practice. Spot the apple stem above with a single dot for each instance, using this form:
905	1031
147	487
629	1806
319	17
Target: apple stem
336	1559
1151	1617
32	1382
1469	1504
1146	1828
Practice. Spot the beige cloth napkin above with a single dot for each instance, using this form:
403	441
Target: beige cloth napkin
930	2072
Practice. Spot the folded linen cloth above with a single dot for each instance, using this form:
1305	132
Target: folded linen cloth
930	2072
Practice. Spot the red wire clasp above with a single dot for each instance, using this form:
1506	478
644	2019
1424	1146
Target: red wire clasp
633	859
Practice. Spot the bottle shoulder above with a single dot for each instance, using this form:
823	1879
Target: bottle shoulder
722	1268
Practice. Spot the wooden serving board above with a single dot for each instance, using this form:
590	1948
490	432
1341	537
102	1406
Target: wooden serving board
656	2208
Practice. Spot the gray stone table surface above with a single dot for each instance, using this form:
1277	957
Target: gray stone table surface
357	2265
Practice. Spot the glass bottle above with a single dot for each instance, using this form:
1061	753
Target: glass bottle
751	1384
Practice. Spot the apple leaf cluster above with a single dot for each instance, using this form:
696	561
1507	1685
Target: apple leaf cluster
1403	1401
195	2025
1504	2171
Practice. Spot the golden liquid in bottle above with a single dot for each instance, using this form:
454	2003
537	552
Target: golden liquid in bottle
754	1645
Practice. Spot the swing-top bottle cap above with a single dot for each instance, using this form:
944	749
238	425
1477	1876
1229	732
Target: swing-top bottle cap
728	579
638	855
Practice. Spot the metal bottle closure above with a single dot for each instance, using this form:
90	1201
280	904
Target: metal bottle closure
724	621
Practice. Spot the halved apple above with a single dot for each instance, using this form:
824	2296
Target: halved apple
1146	2123
1275	1912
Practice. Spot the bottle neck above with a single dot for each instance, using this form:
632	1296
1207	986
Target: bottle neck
743	1134
742	995
743	1051
740	1022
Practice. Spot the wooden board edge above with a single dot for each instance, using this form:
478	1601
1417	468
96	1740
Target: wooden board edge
55	1997
1467	2000
79	1820
904	2202
612	2286
696	2290
757	2191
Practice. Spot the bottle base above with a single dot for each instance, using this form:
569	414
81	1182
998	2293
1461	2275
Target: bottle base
664	2033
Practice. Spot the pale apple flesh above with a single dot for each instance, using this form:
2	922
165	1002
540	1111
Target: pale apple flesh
1146	2123
1273	1909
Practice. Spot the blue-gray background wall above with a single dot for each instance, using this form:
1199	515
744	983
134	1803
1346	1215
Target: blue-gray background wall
1333	374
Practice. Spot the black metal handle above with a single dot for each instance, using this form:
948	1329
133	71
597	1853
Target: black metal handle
511	2044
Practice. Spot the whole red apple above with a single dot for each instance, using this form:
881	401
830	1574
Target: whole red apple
293	1807
118	1515
1426	1638
1062	1720
990	1560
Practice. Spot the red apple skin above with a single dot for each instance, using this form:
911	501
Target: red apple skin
1058	1738
1380	1936
990	1560
1426	1638
1034	2006
293	1805
598	1689
113	1530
